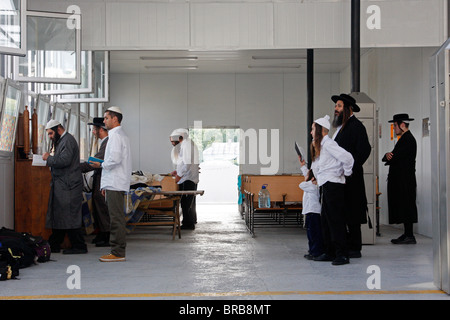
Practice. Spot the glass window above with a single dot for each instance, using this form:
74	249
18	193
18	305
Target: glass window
101	82
53	50
12	27
86	86
10	114
43	116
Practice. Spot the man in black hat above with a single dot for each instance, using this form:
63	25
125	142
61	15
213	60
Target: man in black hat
352	136
402	183
99	207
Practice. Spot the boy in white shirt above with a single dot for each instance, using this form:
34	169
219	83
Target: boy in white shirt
334	165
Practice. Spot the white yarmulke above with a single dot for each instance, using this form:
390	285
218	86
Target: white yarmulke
114	109
52	123
324	122
175	135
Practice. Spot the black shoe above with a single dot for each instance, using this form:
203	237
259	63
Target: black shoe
55	249
308	256
103	243
406	240
187	227
323	257
399	239
354	254
74	251
340	261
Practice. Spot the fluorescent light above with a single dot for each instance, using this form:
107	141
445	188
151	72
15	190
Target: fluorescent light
168	58
276	67
282	57
172	67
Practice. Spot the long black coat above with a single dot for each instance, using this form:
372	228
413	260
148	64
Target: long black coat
353	138
64	204
100	209
402	185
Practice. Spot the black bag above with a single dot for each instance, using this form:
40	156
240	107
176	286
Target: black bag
9	264
41	247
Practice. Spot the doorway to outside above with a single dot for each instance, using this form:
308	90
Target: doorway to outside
219	164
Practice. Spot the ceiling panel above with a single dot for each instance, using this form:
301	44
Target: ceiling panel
239	61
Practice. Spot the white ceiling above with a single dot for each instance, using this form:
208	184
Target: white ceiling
240	61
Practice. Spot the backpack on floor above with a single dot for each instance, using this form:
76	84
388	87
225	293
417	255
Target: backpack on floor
9	264
41	247
31	246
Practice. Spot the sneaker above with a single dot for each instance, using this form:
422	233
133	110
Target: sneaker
111	258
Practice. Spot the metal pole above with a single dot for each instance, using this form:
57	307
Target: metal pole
355	44
310	89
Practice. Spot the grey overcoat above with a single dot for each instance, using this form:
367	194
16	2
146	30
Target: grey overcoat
64	204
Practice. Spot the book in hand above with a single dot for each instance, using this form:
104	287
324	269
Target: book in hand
93	159
300	152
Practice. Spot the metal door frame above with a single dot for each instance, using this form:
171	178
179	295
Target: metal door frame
440	163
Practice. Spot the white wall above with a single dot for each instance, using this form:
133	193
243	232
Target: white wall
397	79
251	24
156	104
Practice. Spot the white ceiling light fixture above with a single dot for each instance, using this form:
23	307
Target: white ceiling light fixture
279	57
167	58
173	67
275	67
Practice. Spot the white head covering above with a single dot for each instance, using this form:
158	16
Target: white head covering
52	123
175	135
324	122
114	109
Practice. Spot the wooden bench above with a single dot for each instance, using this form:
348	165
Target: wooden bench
285	197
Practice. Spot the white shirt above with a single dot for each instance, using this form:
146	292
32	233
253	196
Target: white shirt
116	174
311	194
334	163
187	163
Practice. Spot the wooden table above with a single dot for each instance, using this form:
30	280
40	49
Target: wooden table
166	206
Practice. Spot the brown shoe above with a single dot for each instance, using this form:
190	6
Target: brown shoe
111	258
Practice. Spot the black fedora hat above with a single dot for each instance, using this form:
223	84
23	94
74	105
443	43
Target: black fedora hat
348	101
401	117
98	122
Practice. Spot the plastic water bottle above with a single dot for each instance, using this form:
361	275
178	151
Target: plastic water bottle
264	197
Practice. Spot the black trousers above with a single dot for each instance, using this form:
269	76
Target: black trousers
188	206
76	238
333	220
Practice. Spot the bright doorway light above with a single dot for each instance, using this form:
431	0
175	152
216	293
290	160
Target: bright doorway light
219	164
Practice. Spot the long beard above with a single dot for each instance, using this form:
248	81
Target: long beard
56	138
337	121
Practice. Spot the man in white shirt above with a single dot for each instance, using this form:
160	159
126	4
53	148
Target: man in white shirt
187	176
334	165
116	177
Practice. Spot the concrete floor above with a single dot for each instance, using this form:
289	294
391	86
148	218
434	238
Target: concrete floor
221	261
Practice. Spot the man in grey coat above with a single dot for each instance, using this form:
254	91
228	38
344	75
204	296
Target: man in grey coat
65	200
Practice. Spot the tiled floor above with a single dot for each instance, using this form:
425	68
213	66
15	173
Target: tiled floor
220	260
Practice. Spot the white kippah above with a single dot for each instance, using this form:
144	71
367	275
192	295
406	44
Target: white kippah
324	122
52	123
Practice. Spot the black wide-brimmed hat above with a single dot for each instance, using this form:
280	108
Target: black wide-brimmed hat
348	101
401	117
98	122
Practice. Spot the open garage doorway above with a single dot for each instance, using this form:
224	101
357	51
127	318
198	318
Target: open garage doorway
219	163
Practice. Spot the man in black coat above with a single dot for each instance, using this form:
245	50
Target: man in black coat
99	207
352	136
402	183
